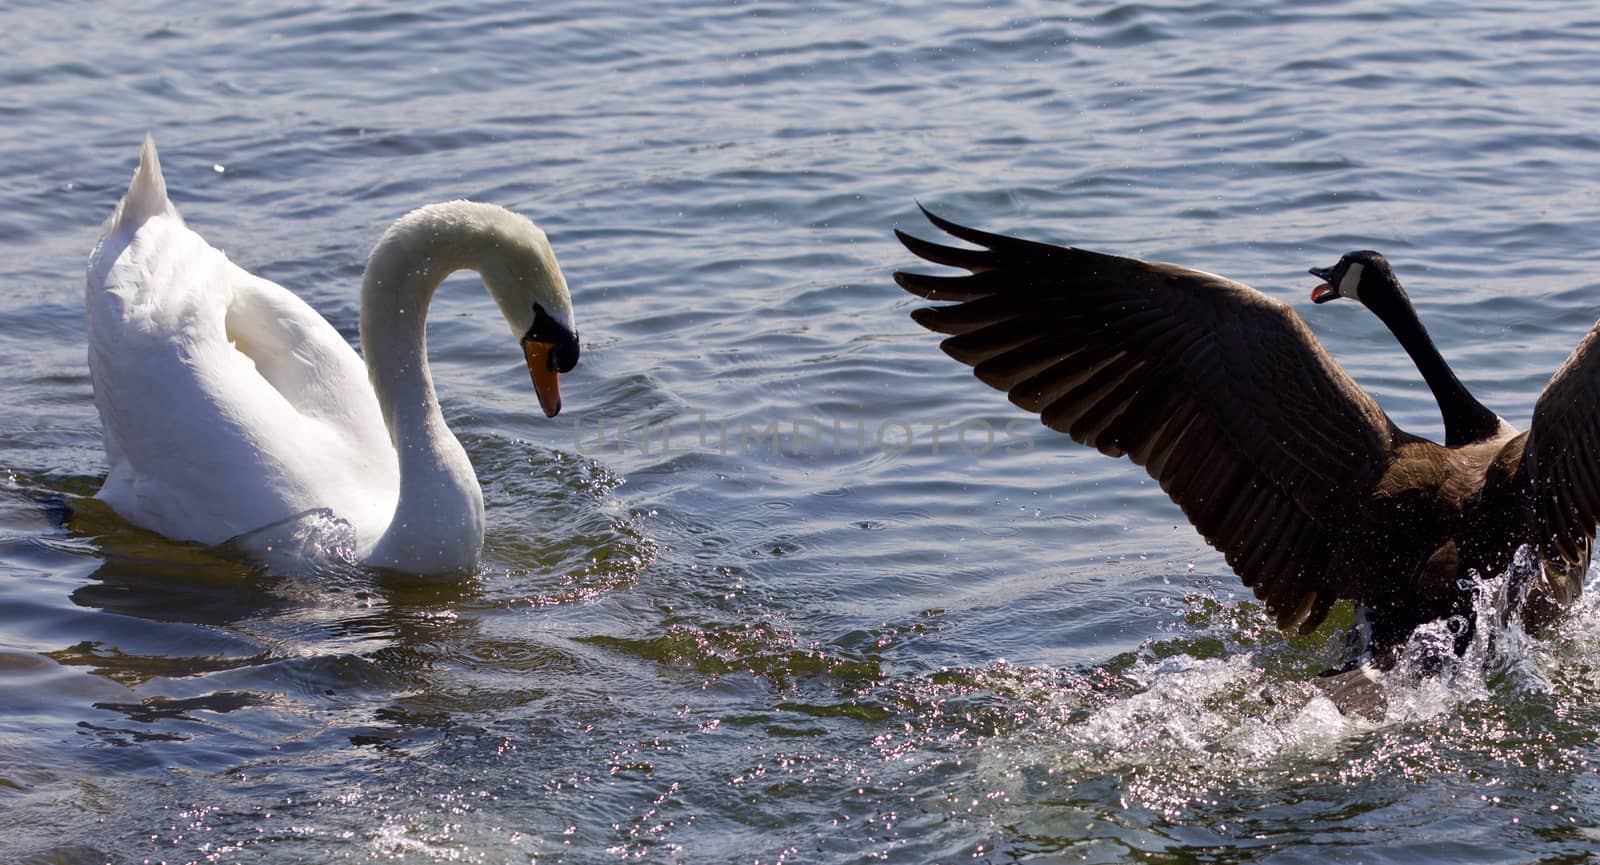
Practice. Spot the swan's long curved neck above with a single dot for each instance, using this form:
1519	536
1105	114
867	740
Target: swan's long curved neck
438	521
1465	419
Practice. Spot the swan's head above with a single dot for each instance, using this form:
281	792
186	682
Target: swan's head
1362	276
520	270
510	254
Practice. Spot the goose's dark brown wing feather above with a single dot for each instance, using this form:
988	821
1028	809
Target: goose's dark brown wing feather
1561	459
1219	391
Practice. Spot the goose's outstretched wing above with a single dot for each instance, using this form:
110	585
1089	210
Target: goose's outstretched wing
1220	392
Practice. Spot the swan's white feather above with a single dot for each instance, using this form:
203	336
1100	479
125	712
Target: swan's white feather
227	402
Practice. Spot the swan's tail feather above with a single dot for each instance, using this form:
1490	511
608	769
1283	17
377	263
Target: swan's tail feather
147	194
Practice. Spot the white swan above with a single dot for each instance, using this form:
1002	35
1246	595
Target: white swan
229	404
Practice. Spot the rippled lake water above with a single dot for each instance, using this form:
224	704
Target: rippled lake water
782	583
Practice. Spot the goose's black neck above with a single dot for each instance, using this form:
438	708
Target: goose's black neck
1465	419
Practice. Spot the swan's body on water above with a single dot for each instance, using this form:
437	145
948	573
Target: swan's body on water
229	404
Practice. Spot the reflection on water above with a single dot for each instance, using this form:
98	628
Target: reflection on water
883	621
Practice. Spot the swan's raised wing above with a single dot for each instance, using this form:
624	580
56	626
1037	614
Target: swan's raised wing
226	402
1220	392
1561	457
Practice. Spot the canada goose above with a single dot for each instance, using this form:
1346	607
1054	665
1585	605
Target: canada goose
1279	459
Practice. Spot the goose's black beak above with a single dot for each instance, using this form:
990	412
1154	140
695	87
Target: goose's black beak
1326	291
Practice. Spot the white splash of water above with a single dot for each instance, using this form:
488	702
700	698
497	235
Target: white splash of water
304	542
1241	711
1176	710
1430	678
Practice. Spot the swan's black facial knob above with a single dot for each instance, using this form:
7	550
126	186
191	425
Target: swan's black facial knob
563	342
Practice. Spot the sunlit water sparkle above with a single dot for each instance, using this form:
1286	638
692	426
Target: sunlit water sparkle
778	648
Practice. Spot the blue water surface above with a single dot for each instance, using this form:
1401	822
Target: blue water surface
782	583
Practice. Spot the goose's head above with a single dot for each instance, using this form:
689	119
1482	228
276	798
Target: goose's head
1362	276
521	272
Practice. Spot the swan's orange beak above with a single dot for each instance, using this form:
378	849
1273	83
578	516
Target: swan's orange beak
545	382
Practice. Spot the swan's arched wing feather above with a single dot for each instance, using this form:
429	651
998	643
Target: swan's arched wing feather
1561	456
1220	392
226	402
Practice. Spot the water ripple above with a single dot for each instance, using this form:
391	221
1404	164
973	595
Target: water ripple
790	614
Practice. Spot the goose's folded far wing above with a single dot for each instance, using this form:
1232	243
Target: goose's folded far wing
1561	460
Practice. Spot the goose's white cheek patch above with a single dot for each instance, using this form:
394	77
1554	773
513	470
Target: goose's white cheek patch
1350	286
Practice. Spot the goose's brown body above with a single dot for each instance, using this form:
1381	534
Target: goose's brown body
1279	459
